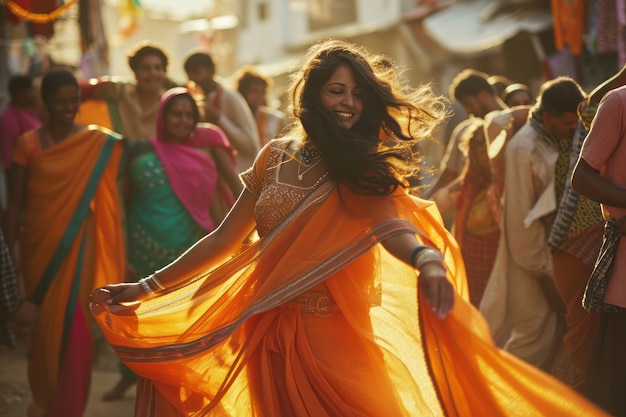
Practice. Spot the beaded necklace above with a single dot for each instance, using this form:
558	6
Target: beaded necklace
309	157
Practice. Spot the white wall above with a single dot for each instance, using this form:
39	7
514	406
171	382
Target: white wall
275	42
165	33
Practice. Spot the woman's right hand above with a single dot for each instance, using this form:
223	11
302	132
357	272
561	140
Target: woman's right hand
112	295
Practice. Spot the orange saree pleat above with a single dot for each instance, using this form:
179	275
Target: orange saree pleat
72	188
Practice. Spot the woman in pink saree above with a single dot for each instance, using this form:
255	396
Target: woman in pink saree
180	183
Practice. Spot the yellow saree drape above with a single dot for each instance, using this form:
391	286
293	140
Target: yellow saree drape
71	242
231	343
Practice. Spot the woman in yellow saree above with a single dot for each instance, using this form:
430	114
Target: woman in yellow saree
352	302
65	213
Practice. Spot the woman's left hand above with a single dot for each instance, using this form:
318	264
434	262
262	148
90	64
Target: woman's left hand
437	289
432	280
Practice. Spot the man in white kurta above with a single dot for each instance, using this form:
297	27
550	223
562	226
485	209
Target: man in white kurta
521	303
224	107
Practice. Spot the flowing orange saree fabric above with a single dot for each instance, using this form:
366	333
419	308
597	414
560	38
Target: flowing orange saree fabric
230	343
71	242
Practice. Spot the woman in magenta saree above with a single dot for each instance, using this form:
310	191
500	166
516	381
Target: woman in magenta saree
180	184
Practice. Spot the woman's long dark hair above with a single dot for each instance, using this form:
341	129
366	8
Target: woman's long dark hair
375	155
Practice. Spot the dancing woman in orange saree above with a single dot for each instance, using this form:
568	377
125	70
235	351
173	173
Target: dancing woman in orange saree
261	336
66	209
342	307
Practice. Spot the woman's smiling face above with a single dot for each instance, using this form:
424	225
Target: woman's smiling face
63	105
342	96
179	119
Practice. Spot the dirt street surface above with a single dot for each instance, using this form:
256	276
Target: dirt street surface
15	396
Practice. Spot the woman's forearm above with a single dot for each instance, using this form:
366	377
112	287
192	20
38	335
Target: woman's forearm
216	247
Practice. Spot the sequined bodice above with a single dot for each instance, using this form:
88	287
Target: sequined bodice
276	199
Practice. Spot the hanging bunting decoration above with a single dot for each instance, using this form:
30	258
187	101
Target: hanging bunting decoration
24	14
131	13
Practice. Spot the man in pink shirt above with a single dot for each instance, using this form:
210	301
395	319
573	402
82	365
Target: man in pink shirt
19	117
600	175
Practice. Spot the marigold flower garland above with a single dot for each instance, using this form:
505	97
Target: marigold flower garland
24	14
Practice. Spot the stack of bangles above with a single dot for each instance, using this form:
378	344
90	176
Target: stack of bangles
424	254
151	284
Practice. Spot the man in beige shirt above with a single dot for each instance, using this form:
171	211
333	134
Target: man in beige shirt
126	107
521	302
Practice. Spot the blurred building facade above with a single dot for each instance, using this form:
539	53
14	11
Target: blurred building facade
431	40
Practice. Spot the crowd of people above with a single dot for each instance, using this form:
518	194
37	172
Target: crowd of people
532	245
242	260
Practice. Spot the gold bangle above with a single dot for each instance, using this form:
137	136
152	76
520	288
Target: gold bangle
143	282
157	282
428	255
